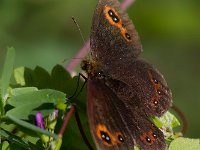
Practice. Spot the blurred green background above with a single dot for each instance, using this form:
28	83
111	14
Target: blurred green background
44	34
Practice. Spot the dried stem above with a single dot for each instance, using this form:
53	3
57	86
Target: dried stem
81	54
78	121
66	121
126	3
183	119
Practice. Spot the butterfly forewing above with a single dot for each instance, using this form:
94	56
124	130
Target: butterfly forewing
113	34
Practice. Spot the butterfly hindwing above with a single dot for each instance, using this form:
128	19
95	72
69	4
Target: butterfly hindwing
116	125
106	126
140	79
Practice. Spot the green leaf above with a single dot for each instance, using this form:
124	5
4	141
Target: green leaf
15	139
41	78
32	100
61	80
38	77
7	71
38	97
24	111
185	144
167	120
19	76
4	145
58	144
166	123
30	126
136	148
6	75
23	90
1	104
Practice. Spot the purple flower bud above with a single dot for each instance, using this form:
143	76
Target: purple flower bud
39	122
56	113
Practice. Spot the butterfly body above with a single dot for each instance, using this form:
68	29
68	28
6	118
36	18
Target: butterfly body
123	90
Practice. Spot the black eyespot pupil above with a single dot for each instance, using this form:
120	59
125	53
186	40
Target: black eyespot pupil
148	139
101	72
155	81
120	138
113	16
128	36
155	102
115	19
110	12
154	135
159	92
105	137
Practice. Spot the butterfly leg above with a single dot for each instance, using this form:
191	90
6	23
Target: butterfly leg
78	83
78	121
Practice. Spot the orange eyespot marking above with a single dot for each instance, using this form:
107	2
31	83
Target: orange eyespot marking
109	139
112	16
148	138
154	81
115	20
125	34
120	137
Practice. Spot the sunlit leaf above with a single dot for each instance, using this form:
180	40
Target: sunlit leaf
25	103
23	90
7	71
39	97
6	75
185	144
167	120
19	76
166	123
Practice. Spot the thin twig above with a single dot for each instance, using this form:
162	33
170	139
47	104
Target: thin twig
126	3
78	121
183	119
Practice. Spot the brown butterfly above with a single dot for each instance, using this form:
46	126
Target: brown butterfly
123	90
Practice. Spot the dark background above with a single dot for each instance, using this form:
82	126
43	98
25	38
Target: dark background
44	34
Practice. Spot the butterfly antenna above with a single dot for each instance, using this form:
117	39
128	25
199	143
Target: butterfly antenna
79	29
84	42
